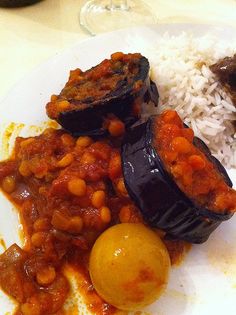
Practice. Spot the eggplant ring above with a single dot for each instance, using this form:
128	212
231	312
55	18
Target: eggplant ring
86	113
158	197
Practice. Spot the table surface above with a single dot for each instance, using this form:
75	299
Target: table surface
31	35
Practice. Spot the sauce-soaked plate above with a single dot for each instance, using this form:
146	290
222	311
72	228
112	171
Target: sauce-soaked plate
205	283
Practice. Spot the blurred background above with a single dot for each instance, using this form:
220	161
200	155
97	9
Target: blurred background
30	35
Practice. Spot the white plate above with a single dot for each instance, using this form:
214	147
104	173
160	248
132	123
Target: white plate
206	282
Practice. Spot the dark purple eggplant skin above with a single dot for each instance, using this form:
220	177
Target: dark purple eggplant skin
161	202
119	102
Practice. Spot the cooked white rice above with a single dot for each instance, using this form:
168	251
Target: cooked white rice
180	68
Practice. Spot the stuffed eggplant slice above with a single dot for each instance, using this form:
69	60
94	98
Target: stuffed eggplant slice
113	90
174	180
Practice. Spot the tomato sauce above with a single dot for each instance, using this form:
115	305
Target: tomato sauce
192	171
68	191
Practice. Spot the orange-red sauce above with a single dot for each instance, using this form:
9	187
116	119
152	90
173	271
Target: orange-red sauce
68	191
195	175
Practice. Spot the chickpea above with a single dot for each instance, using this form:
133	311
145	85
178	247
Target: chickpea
121	187
63	105
181	145
49	131
84	141
41	224
169	116
98	198
188	134
67	140
38	239
54	98
116	128
77	187
197	162
24	169
46	276
8	184
105	214
125	214
75	224
183	171
66	160
88	158
117	56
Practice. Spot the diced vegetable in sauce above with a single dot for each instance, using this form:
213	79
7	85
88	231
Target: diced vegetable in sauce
68	191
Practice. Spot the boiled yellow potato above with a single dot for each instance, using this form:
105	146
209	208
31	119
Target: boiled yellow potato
129	266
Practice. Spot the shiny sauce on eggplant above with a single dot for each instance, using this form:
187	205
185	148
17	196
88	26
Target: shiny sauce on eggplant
192	171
